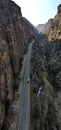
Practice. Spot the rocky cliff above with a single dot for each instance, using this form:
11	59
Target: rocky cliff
15	35
46	86
53	27
45	77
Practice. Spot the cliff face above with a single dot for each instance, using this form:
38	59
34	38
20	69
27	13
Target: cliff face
15	34
46	86
53	27
46	77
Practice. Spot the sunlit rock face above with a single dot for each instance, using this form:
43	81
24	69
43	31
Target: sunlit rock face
46	86
53	27
15	35
59	9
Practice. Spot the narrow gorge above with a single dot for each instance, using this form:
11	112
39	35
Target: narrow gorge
16	34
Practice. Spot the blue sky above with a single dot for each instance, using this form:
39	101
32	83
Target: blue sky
38	11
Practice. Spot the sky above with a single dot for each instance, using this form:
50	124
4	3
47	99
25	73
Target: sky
38	11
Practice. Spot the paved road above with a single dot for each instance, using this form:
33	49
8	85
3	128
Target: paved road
24	116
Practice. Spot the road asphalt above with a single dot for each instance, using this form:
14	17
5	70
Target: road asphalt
24	115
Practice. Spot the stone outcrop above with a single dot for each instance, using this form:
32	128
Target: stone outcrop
46	86
15	34
53	27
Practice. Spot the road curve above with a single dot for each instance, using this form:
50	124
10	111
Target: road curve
24	115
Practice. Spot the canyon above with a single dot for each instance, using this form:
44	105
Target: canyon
16	34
